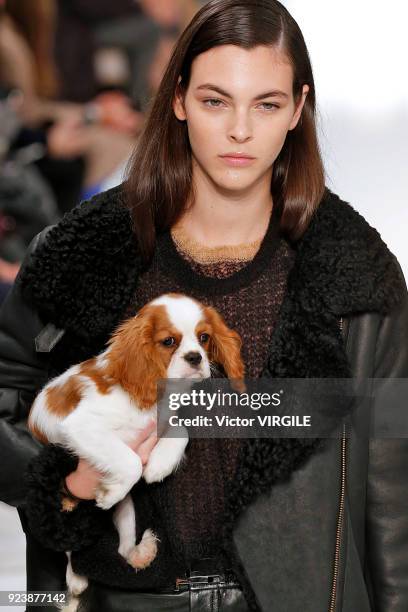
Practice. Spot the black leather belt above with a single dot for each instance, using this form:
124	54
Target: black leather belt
198	590
201	581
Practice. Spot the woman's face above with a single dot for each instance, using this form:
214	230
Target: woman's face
229	108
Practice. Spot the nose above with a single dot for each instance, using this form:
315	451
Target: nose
193	358
241	129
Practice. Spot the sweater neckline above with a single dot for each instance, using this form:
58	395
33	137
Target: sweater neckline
175	263
203	254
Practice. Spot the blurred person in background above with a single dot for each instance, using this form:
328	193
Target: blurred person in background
146	39
66	91
83	144
52	152
72	56
27	204
72	69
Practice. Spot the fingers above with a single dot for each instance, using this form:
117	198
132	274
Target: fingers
88	470
142	435
146	448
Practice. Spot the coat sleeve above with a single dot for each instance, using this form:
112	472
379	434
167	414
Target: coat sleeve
30	473
22	373
387	487
47	521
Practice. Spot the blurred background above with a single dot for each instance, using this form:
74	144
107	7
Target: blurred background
76	78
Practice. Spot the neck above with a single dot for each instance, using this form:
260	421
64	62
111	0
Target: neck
218	217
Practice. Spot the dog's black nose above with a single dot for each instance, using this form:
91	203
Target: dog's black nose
193	358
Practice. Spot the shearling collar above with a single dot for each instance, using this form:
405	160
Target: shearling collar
85	274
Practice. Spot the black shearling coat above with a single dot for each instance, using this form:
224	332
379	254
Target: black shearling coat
312	529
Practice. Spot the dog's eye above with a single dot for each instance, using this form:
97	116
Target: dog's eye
204	338
169	341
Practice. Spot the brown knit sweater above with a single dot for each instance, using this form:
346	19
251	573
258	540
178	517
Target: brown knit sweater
246	284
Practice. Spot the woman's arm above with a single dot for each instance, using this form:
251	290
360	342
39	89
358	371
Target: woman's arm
387	488
49	519
57	524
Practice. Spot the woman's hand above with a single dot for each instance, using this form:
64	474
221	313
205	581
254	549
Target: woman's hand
84	481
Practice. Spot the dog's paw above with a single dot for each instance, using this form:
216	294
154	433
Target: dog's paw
76	584
71	606
157	468
107	495
142	555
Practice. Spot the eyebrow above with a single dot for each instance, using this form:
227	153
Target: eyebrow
268	94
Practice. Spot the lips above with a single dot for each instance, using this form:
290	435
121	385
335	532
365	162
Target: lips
236	159
238	155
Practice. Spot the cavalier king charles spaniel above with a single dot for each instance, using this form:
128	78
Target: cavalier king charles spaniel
97	406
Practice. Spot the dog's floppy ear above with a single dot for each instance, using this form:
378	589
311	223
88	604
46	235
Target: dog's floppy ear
133	360
225	348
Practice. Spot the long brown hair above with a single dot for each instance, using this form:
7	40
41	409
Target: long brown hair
159	180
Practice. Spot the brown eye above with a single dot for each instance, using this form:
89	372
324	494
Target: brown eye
168	341
204	338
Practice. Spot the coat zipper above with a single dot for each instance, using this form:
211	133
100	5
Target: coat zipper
340	517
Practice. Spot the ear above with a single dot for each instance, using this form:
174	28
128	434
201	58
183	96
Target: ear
178	102
133	360
225	348
299	108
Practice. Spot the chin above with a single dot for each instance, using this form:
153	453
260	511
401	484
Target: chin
235	181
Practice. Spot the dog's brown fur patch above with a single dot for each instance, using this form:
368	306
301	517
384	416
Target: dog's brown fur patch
97	374
63	399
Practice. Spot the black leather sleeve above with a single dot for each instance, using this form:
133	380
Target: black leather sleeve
387	487
22	373
30	473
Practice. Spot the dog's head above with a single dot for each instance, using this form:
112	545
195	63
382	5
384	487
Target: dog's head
173	336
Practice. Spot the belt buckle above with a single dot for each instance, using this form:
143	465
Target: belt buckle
180	582
196	579
208	578
200	571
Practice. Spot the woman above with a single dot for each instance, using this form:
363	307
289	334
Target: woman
279	524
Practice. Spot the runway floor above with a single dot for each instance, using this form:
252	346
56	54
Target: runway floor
12	559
